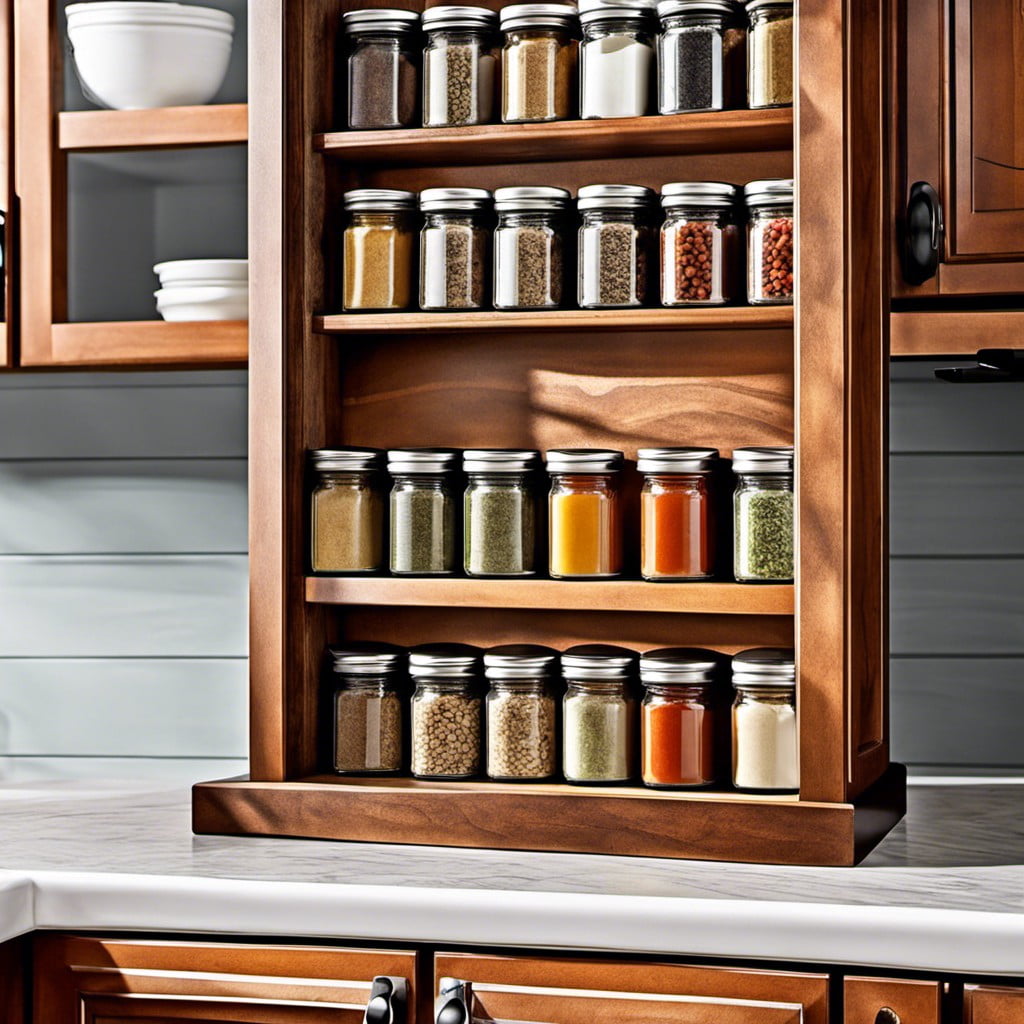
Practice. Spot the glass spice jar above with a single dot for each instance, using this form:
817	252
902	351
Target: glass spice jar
500	512
382	84
422	511
454	243
598	714
770	241
538	62
447	711
699	243
702	63
584	514
529	247
763	513
347	509
616	59
770	48
765	742
677	716
615	239
377	244
368	726
676	513
521	713
460	64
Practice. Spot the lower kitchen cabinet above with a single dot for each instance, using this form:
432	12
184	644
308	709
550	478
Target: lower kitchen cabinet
14	960
891	1001
984	1004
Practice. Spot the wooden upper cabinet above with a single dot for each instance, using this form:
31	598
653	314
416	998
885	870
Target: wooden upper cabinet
984	1004
891	1001
97	981
960	128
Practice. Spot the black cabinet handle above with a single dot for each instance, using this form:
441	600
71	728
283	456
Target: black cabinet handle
887	1016
922	233
388	1001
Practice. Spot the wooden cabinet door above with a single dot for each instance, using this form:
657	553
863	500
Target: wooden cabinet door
553	991
98	981
14	957
889	1001
985	1004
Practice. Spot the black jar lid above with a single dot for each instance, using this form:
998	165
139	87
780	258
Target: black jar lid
423	460
380	200
538	16
717	194
584	460
683	666
769	458
454	17
531	197
672	8
598	662
615	197
444	661
379	19
767	667
364	659
769	192
519	661
346	460
676	460
454	200
500	460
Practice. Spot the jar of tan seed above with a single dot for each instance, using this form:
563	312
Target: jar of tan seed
447	711
538	62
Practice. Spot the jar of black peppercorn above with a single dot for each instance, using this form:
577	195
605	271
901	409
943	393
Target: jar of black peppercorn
454	248
701	56
699	243
615	240
770	241
460	64
382	77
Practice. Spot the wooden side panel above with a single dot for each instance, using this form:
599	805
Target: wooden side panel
13	975
913	1002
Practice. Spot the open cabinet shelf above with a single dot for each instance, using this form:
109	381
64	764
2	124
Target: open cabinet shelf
218	124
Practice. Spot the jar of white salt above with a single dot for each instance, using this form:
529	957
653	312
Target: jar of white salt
616	58
765	748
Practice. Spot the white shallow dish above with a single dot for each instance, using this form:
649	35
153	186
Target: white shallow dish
140	10
208	303
138	63
202	271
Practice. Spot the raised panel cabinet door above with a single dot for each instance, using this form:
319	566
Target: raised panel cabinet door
889	1001
985	1004
537	990
100	981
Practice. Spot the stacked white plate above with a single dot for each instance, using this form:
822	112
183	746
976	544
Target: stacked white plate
140	54
203	289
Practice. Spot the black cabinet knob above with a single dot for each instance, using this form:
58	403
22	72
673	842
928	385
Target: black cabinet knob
922	233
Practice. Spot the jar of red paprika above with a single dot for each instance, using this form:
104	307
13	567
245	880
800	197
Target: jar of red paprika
770	241
676	514
678	716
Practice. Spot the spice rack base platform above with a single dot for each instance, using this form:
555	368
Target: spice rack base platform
624	821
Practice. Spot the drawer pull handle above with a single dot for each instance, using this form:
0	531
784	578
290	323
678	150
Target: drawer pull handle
886	1015
453	1002
388	1000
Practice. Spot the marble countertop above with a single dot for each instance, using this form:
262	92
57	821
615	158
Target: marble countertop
945	891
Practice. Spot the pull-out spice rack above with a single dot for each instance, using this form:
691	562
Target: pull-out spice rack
729	377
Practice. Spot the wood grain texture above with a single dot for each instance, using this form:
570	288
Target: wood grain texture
913	1002
952	334
149	129
989	1004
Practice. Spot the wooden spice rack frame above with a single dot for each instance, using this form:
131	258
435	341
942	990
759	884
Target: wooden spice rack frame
816	375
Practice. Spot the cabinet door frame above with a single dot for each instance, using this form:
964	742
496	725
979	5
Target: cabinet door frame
913	1002
993	1004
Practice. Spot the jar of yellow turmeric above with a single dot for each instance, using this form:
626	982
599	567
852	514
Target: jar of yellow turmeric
378	249
347	505
585	519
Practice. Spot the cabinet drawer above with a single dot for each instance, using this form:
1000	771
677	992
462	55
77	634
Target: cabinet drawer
97	981
886	1001
542	991
984	1004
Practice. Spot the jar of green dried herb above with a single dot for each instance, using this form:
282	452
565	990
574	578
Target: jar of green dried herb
347	506
500	512
770	49
368	708
763	507
423	510
460	64
381	63
599	714
454	248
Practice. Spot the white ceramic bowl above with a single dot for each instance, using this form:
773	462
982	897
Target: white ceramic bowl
130	60
199	272
206	303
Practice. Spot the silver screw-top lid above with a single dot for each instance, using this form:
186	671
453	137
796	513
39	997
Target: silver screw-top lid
615	197
757	5
381	200
584	460
444	661
671	8
381	19
449	17
676	460
769	192
346	460
500	460
686	666
531	197
538	16
360	659
519	661
423	460
767	458
718	195
592	11
598	662
454	199
764	666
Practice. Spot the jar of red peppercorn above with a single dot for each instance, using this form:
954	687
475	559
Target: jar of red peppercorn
699	243
770	241
677	719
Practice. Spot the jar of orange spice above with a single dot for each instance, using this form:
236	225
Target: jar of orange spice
678	716
676	516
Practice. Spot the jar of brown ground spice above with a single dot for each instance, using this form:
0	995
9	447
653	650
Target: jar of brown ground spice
538	62
455	248
460	65
699	243
383	82
770	241
378	246
347	506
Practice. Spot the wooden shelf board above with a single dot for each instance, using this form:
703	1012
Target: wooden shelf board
722	318
565	595
729	131
218	124
619	821
953	334
149	343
